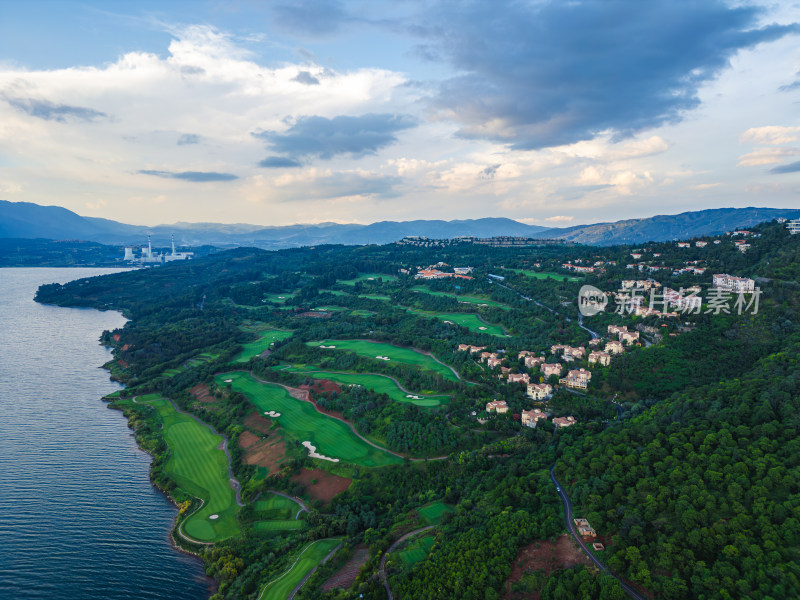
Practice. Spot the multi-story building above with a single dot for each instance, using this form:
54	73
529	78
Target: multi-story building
739	285
539	391
498	406
604	358
531	417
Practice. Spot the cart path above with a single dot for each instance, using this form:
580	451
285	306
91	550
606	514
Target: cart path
312	571
571	528
382	568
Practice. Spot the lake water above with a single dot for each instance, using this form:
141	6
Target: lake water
79	518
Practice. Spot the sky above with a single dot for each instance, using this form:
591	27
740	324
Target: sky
549	112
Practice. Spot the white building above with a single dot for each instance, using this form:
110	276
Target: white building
730	283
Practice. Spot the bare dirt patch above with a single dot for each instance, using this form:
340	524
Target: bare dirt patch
269	453
346	576
257	423
247	439
546	556
306	393
202	393
327	485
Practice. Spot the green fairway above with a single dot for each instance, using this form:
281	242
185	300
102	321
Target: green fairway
380	297
416	550
378	383
544	275
470	321
432	513
394	353
368	277
309	557
465	299
263	343
282	525
332	438
274	507
279	298
200	468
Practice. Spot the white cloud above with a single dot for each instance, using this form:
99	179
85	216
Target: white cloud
773	135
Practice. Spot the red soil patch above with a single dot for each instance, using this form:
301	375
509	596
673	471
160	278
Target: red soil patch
257	423
247	439
346	576
122	364
116	337
304	393
269	453
548	557
125	348
202	393
327	485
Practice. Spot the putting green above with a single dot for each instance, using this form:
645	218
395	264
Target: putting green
470	321
368	277
261	344
393	353
432	513
309	557
200	468
378	383
332	438
544	275
465	299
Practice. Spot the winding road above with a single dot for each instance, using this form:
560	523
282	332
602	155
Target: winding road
571	528
382	568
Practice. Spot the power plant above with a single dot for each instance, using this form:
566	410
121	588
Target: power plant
148	257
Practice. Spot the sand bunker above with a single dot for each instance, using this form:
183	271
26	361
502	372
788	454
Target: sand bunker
327	347
229	381
213	517
449	322
383	358
312	452
413	397
482	328
272	413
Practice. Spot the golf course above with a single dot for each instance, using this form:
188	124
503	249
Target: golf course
380	384
467	299
389	352
309	557
469	320
261	344
368	277
543	275
332	438
200	468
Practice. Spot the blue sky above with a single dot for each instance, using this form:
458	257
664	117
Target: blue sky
550	112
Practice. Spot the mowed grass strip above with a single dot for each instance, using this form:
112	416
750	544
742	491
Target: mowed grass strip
368	277
332	438
377	383
309	557
432	513
200	468
470	321
416	551
467	299
261	344
394	353
544	275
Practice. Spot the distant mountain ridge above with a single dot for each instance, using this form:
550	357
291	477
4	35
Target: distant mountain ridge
31	221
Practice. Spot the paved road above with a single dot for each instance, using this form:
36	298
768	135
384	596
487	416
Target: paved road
571	528
382	568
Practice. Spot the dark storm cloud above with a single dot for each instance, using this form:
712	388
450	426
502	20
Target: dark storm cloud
549	73
43	109
279	162
188	138
306	78
325	138
194	176
790	168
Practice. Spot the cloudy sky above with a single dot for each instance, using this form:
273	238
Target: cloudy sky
547	111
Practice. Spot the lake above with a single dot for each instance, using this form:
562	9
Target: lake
79	518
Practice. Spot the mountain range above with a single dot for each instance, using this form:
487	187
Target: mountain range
33	221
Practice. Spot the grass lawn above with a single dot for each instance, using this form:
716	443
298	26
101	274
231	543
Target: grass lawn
271	506
279	298
200	469
368	277
432	513
544	275
378	383
263	343
374	297
416	550
470	321
301	420
395	353
467	299
309	557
